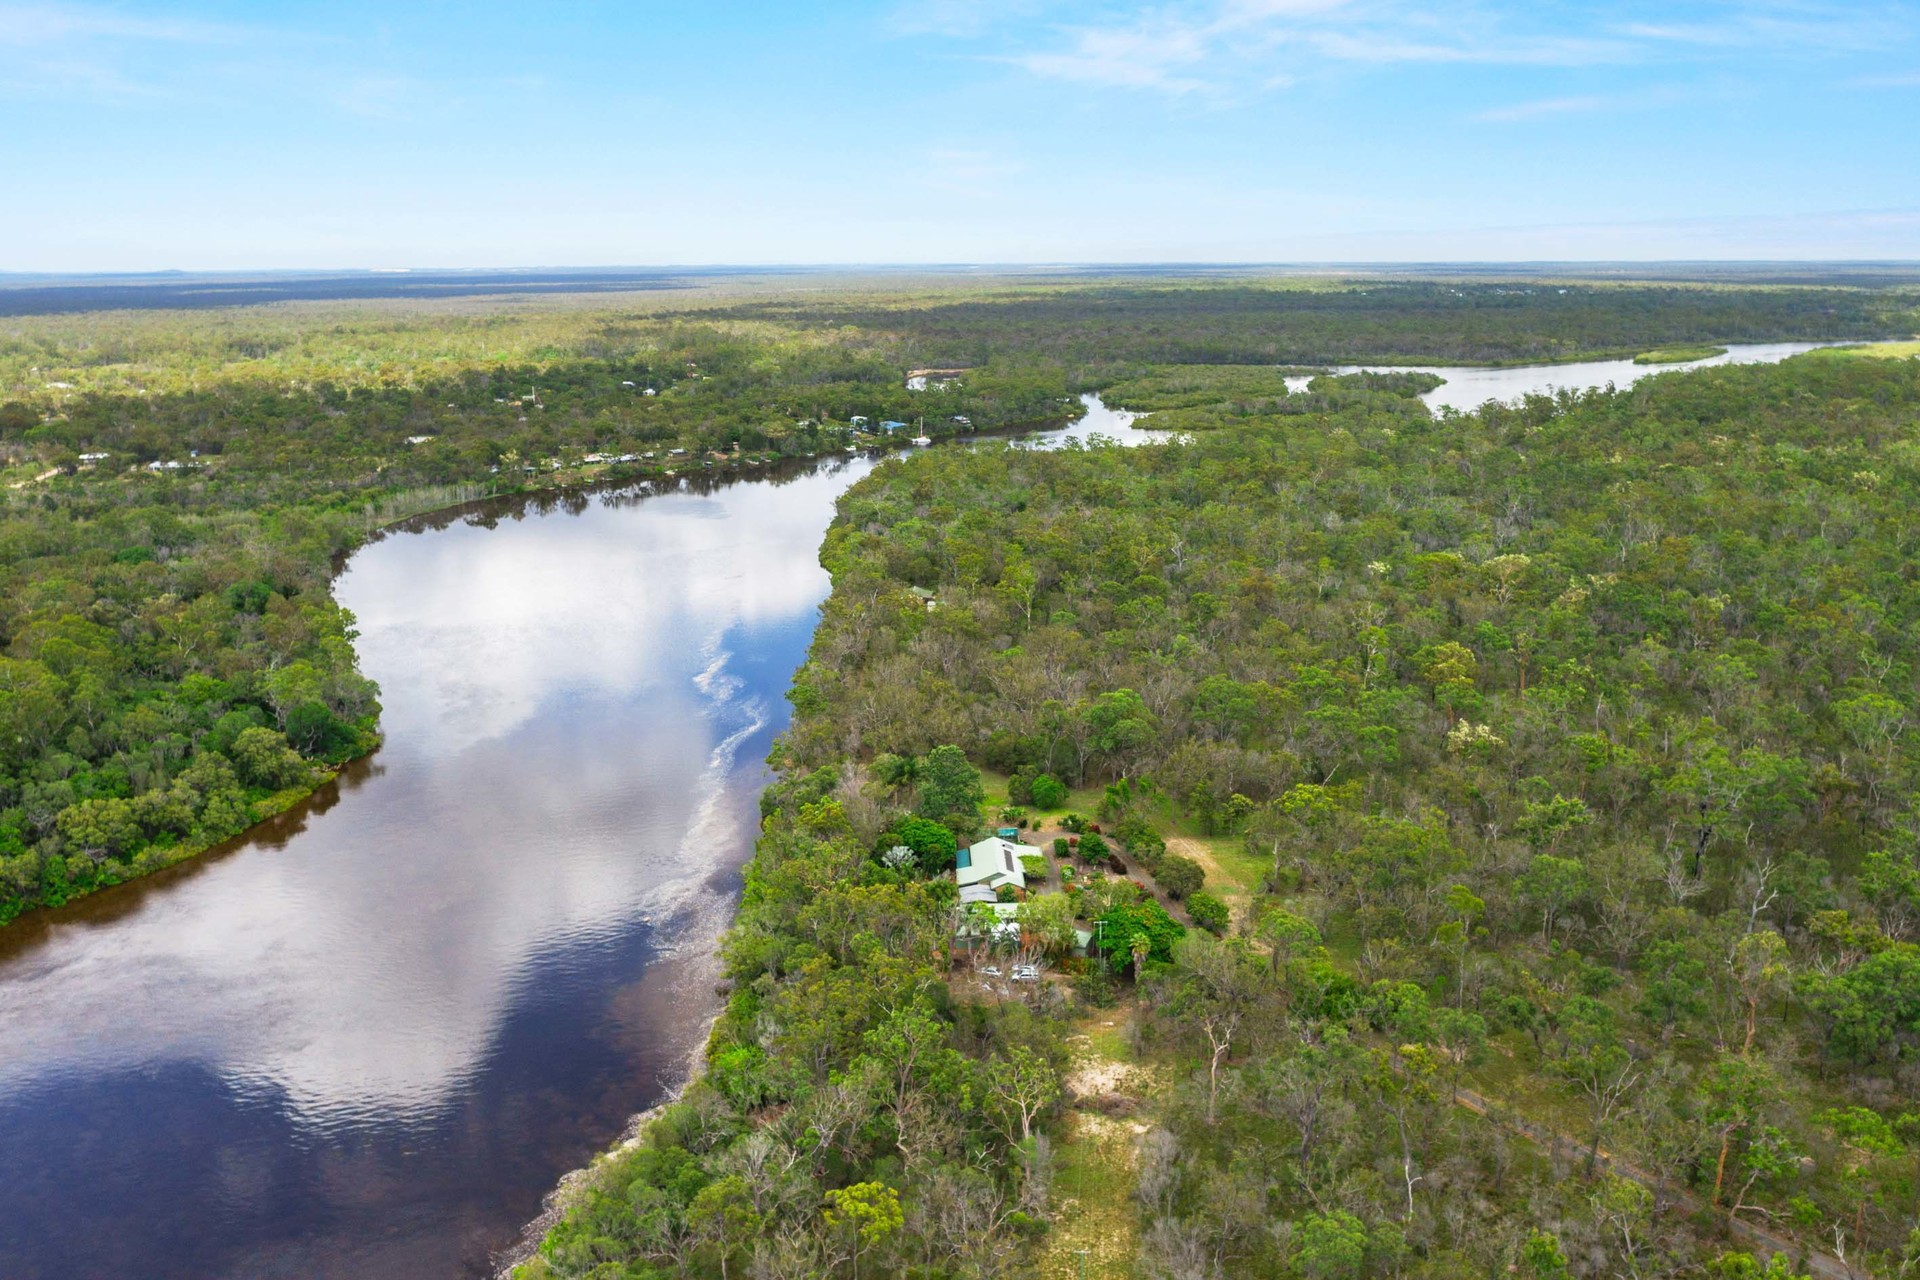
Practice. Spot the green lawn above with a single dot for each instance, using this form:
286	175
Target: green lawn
1678	355
1877	350
1095	1221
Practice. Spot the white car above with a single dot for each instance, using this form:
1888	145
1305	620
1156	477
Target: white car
1026	973
991	970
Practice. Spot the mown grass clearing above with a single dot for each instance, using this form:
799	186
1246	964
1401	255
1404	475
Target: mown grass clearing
1877	350
1679	355
1095	1224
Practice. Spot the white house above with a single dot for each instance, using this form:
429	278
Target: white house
993	862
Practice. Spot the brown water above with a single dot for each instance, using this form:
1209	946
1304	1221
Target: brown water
366	1040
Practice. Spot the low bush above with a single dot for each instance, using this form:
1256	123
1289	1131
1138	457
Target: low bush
1209	912
1179	875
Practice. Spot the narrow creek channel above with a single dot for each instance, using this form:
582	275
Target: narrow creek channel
366	1039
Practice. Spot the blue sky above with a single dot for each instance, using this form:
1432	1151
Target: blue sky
210	135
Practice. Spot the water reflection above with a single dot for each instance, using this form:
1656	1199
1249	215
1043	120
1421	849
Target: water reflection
366	1043
1467	388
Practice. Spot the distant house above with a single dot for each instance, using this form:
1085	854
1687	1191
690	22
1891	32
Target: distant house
891	427
857	420
993	863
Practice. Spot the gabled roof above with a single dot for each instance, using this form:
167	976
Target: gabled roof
993	861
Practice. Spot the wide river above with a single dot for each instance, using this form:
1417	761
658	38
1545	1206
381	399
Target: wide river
365	1040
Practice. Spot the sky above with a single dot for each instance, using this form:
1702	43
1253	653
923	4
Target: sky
216	136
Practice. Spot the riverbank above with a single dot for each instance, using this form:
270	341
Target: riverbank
575	1185
1679	355
156	858
441	506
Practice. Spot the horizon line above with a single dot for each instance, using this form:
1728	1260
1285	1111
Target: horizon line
1050	265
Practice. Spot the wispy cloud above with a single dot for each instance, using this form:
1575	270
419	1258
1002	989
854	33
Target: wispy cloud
1222	46
1545	107
1487	48
69	49
1899	80
1792	24
50	50
958	17
1229	43
1155	54
1648	99
46	24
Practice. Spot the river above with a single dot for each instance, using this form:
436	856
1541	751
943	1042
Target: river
1467	387
366	1039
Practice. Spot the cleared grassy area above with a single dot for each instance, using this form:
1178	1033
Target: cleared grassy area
1096	1230
1679	355
1081	800
1877	350
1093	1184
1233	875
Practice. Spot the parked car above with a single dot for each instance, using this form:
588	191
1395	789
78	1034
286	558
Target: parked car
991	970
1026	973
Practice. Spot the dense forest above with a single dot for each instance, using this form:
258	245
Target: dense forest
1465	322
1494	837
178	487
1550	772
172	666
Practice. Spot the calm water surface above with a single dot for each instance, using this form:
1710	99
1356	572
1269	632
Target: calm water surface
364	1041
1467	388
367	1043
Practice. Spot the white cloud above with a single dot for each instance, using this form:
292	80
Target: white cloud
1801	26
69	49
1581	104
1220	46
1484	47
1545	107
294	968
44	24
1154	55
1907	80
958	17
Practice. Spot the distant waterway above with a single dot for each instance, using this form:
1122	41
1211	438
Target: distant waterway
1468	387
366	1039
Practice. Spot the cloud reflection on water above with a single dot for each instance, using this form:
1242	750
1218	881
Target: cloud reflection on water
563	721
